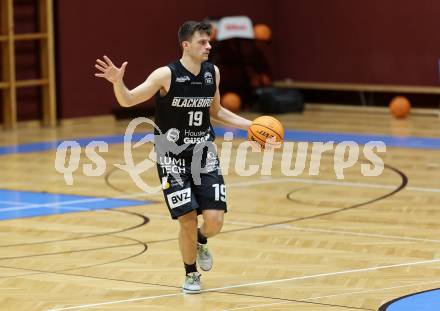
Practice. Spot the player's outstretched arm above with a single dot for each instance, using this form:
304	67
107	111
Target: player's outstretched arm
222	114
143	92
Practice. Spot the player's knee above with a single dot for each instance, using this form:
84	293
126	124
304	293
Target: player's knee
188	221
214	222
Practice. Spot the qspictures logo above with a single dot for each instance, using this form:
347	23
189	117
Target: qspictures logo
345	155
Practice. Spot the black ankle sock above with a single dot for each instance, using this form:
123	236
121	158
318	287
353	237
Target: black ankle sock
190	268
201	238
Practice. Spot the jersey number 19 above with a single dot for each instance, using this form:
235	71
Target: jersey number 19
195	118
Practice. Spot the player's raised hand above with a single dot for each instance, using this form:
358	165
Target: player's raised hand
109	71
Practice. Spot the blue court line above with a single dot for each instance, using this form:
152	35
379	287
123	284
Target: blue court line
45	146
361	139
289	135
24	197
424	301
29	204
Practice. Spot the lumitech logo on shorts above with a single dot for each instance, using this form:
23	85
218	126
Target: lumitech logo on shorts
179	198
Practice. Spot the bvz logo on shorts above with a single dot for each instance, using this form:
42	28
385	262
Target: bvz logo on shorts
208	78
179	198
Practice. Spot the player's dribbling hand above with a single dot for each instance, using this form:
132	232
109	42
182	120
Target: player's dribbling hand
109	71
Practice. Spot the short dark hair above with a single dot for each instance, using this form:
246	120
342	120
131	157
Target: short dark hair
187	30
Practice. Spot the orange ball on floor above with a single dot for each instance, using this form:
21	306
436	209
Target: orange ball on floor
400	107
231	101
262	32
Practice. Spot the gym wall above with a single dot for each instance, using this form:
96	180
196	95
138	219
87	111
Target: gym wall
383	42
144	33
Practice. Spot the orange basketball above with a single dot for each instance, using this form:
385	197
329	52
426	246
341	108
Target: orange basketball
231	101
400	106
266	128
262	32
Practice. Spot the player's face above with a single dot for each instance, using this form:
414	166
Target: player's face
199	46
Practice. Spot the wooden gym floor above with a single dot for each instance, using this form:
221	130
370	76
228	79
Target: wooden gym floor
288	243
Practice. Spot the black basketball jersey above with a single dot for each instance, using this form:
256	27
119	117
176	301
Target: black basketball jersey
183	113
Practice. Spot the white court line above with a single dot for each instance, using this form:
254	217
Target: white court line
312	229
15	202
73	208
421	189
232	185
57	204
335	295
296	278
373	290
113	302
332	183
264	305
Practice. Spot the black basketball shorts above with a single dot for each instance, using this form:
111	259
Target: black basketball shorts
185	191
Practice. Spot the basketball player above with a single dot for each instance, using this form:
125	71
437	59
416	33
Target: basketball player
187	96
